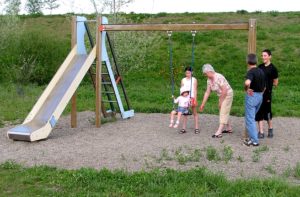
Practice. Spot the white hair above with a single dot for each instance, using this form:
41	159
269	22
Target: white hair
207	68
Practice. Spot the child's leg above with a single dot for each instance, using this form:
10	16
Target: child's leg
173	113
178	119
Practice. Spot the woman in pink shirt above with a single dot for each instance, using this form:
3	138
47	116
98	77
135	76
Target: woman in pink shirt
217	83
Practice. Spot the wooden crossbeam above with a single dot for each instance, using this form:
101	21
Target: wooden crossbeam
173	27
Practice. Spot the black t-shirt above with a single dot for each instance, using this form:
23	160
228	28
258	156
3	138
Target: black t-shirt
271	73
257	78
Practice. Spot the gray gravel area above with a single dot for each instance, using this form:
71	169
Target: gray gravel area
145	142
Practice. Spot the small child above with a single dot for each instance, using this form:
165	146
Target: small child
183	105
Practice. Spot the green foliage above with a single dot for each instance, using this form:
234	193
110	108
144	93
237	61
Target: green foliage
48	181
34	7
10	165
297	171
242	12
12	7
270	169
32	48
227	153
212	154
257	152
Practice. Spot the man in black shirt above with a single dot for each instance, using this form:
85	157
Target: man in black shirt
254	86
265	111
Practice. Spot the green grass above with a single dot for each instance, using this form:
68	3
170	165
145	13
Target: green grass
17	180
144	60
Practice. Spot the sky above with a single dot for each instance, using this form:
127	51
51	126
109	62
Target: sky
179	6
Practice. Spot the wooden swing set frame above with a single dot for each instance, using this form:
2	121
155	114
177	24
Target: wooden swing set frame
250	26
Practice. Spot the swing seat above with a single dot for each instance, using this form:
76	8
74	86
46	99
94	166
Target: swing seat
188	113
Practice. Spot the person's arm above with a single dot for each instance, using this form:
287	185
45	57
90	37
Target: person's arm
275	82
195	85
176	100
205	97
247	87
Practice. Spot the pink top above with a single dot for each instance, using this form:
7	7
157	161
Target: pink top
217	83
183	101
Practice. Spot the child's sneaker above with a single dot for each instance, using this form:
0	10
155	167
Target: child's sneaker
176	124
170	125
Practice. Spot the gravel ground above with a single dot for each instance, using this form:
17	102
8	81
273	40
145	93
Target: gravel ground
145	142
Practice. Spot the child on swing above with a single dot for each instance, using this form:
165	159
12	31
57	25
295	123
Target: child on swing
183	106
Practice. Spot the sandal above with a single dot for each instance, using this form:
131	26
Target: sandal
217	136
197	131
182	131
227	131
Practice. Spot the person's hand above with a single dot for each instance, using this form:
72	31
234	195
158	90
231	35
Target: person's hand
201	108
250	92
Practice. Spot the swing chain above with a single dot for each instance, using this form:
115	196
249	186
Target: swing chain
193	33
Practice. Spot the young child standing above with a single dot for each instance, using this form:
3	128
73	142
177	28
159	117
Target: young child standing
183	104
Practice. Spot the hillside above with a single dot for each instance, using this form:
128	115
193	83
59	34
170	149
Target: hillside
32	48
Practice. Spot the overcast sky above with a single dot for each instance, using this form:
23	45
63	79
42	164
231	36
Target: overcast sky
171	6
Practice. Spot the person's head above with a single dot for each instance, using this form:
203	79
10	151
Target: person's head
184	91
251	59
188	71
208	70
266	56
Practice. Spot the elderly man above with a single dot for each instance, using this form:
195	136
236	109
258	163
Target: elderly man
254	87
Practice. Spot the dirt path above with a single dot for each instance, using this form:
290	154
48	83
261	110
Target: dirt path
145	142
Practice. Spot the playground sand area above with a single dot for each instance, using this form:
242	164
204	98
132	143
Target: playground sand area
145	142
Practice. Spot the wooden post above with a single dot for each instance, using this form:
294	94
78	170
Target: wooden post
252	36
73	100
98	72
251	48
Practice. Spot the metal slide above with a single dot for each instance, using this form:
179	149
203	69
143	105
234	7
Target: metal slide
45	113
53	101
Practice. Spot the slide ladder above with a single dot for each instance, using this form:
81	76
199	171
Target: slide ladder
113	89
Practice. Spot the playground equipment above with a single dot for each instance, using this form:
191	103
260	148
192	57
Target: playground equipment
44	115
49	107
171	67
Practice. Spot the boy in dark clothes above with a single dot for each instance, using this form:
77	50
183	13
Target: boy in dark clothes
265	111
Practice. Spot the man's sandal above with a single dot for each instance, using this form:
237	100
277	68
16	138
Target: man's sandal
182	131
197	131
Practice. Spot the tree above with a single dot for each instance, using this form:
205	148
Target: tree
51	5
34	6
12	7
112	6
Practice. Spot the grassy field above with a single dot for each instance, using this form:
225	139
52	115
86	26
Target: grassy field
48	181
143	57
35	47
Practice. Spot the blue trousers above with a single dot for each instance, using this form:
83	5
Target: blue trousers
252	105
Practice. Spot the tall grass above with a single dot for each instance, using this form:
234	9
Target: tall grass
34	52
48	181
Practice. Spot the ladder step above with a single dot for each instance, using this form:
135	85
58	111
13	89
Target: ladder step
109	101
106	92
104	73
